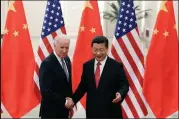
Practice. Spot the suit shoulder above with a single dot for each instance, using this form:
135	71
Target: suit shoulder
46	61
116	63
89	62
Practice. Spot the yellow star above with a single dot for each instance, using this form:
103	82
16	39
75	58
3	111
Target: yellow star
165	34
16	33
25	26
155	31
93	30
6	31
11	6
82	28
163	6
88	4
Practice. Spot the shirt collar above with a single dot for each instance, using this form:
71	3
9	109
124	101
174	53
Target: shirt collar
102	62
58	58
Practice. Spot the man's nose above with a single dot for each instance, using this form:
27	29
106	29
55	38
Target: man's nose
98	53
65	50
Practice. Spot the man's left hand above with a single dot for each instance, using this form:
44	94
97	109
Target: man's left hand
118	98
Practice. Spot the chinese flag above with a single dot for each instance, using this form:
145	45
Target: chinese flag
19	93
161	73
90	27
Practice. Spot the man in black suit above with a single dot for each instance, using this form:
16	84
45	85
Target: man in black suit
104	80
55	81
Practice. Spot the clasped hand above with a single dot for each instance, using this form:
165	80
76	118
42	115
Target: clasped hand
69	103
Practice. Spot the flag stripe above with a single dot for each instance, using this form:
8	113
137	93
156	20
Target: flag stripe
138	98
37	69
137	95
123	112
63	30
139	69
133	87
36	79
131	49
54	34
136	103
47	44
136	48
127	49
132	96
127	109
40	53
137	40
44	51
38	61
58	32
131	105
127	66
51	40
130	60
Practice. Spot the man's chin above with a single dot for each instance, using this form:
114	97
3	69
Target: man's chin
99	59
62	56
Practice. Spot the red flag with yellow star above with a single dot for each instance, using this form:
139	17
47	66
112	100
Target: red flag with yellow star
90	27
160	84
19	93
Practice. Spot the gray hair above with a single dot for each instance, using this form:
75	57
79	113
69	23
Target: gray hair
61	36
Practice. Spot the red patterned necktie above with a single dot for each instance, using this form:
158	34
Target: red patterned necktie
97	74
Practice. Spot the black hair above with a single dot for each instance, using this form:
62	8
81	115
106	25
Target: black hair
99	40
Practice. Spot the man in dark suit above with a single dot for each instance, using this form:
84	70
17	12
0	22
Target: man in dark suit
104	80
55	81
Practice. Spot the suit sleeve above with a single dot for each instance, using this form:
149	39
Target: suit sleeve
82	87
46	83
124	85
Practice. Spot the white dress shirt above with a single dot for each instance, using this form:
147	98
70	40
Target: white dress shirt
100	66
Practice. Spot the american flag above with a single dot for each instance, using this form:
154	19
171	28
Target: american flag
53	25
126	48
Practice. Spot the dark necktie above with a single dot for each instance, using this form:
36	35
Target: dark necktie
97	74
65	68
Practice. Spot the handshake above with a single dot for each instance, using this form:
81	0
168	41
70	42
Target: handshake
69	103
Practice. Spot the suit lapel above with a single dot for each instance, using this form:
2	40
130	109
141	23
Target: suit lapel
68	64
91	71
105	72
57	66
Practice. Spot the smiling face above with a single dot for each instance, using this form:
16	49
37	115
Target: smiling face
99	51
99	47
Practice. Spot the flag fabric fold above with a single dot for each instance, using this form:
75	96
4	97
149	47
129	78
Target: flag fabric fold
19	93
161	73
90	27
127	48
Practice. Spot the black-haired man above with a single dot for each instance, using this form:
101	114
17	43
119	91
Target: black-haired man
104	80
